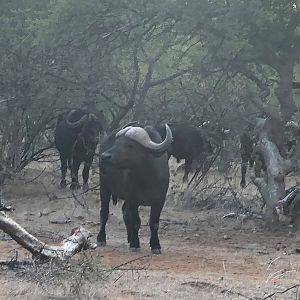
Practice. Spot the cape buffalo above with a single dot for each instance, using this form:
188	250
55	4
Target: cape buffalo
250	156
76	138
189	143
134	167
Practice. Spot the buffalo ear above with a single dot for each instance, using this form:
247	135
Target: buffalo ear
132	123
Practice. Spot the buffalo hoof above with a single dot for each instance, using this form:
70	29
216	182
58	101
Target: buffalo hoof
101	244
63	184
243	184
85	187
135	249
156	251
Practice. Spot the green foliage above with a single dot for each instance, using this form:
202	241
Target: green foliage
194	60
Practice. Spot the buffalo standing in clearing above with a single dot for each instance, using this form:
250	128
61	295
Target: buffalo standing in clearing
134	167
189	143
76	138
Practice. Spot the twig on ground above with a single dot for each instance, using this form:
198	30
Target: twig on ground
83	205
224	268
233	292
281	293
120	267
36	177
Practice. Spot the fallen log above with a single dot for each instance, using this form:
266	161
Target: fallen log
78	240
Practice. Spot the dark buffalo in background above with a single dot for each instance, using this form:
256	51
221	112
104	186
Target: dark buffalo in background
76	137
189	143
250	156
134	167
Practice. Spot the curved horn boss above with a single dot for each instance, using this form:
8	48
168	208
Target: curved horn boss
75	124
141	136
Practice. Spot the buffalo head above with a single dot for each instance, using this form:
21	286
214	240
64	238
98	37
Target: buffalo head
88	124
132	146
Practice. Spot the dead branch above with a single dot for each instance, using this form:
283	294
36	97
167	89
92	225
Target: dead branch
282	292
121	267
67	248
5	208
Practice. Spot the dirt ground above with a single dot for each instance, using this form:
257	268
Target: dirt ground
205	256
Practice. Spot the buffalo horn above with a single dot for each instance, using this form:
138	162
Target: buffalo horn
141	136
76	123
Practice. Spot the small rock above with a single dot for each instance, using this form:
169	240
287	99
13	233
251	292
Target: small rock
79	213
28	213
60	219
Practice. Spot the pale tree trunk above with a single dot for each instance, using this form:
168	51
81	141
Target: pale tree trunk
270	136
272	185
284	92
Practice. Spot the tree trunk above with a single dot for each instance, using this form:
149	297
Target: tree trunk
272	186
271	140
284	92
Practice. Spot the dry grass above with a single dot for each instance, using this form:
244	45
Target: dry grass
205	256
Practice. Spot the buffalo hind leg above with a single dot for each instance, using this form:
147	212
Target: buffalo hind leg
187	169
246	157
154	225
63	168
243	174
126	221
85	176
104	212
74	174
259	164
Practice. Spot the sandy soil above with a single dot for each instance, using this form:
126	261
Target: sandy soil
205	256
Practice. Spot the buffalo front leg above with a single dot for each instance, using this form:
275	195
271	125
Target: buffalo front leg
154	225
134	224
63	168
104	212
